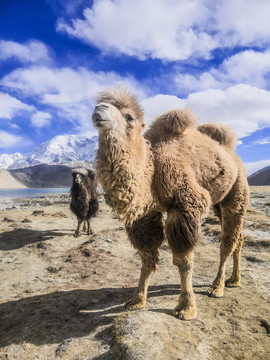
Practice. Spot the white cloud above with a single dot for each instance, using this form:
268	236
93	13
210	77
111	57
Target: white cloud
244	108
159	104
171	30
8	140
10	106
262	141
252	167
57	86
32	52
69	91
247	67
41	119
142	28
243	22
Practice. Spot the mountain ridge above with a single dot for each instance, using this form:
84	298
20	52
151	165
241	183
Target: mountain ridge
260	177
80	150
62	149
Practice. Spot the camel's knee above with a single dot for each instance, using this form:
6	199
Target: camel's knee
150	260
183	261
183	231
147	233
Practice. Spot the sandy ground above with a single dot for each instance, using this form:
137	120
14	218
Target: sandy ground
7	181
62	297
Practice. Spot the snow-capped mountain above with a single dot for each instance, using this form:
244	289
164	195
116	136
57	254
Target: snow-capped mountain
6	160
61	149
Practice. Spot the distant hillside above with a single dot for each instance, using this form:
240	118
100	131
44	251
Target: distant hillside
7	181
261	177
44	176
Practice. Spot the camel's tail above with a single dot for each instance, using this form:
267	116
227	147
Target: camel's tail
223	134
176	121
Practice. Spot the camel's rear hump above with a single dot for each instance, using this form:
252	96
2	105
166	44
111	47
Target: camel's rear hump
223	134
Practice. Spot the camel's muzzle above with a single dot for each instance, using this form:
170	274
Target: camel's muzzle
101	117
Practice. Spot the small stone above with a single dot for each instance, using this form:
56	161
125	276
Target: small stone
38	212
7	219
26	221
86	252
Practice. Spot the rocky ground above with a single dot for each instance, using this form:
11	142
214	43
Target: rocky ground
62	297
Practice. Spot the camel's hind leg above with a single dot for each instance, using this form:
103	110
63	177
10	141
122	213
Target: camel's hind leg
231	241
235	278
146	235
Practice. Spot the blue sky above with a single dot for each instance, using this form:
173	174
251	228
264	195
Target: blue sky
55	55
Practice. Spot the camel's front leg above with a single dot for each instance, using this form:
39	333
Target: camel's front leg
138	300
146	235
186	308
78	230
89	227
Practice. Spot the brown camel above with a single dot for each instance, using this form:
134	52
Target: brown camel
84	199
176	168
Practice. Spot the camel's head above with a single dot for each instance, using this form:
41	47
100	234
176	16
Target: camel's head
118	111
79	175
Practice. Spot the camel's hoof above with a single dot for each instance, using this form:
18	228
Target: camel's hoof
232	282
215	292
76	235
135	304
185	314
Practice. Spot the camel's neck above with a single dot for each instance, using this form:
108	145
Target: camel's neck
125	171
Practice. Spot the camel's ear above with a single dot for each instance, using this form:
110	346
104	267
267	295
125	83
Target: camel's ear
144	125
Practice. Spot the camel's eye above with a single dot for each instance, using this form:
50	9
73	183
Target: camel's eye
129	118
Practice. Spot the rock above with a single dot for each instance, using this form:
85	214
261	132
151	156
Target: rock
254	259
26	220
7	219
38	212
86	252
53	269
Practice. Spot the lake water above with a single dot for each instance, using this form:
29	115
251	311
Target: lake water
15	197
28	193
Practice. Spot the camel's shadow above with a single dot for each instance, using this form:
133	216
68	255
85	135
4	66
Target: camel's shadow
55	317
15	239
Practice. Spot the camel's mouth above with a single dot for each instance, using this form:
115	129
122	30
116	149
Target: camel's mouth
102	123
101	117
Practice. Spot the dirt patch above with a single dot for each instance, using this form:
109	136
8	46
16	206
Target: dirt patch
63	297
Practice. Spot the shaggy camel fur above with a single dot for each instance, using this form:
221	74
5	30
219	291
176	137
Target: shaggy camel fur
84	198
176	168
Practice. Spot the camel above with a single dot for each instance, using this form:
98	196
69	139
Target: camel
84	199
175	168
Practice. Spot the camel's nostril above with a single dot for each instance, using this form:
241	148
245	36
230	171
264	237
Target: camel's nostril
101	107
96	116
